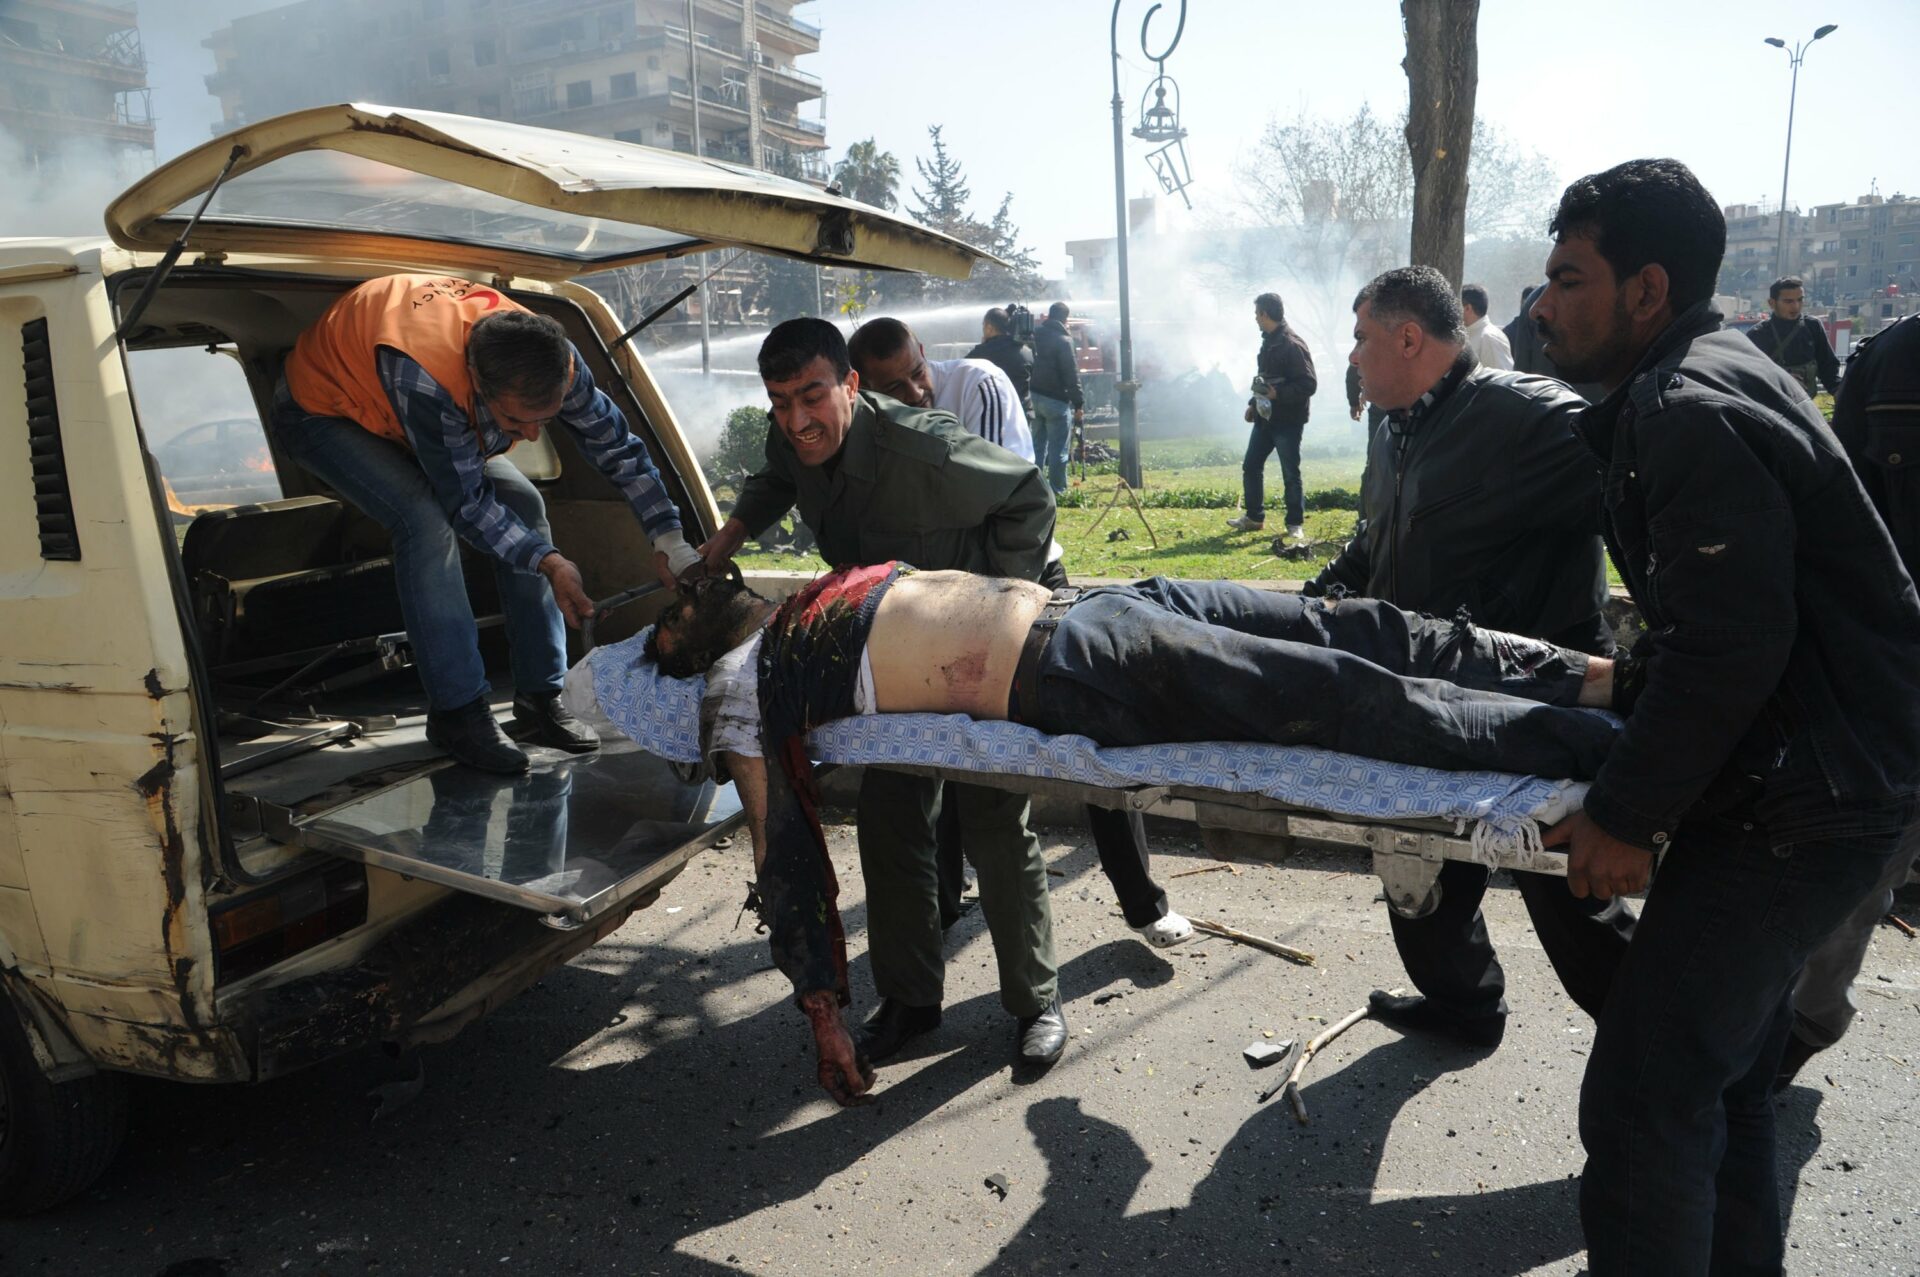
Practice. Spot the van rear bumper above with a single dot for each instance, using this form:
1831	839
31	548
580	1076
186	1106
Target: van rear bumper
424	982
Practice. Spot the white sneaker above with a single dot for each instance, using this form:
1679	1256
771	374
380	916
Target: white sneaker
1297	531
1244	524
1164	933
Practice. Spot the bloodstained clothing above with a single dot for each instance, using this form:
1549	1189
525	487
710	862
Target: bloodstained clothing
809	669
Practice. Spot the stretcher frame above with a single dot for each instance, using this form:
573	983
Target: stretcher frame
1407	854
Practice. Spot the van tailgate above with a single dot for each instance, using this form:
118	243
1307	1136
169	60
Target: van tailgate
571	838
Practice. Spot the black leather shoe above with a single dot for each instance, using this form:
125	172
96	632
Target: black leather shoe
1043	1037
473	737
541	718
893	1026
1415	1014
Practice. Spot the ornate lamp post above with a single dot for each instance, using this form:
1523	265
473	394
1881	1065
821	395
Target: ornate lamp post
1796	54
1158	123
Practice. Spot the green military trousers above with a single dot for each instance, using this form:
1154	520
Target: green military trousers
896	815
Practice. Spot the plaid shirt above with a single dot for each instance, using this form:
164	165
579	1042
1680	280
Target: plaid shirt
453	450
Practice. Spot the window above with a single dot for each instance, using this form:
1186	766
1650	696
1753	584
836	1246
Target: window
484	54
626	85
438	63
200	419
579	94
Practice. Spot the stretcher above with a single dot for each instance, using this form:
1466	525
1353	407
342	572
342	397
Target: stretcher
1411	819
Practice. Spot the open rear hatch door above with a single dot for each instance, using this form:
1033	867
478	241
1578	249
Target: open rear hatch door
375	183
571	839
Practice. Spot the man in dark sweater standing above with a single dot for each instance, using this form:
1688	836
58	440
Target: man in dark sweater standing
1477	497
1278	414
1057	405
1772	751
1795	341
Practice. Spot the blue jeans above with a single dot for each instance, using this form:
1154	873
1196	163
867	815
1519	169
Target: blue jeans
1052	437
385	481
1161	661
1675	1110
1263	439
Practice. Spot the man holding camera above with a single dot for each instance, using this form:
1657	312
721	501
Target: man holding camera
1278	414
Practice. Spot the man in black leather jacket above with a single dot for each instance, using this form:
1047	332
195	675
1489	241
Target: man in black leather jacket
1477	497
1877	420
1773	749
1277	411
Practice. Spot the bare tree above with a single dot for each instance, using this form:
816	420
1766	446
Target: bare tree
1324	205
1443	76
1323	208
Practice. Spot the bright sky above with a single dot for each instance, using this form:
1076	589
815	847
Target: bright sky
1023	88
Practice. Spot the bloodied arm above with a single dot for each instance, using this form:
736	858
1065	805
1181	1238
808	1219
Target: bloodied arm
794	907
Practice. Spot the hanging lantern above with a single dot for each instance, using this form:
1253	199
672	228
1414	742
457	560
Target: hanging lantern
1160	122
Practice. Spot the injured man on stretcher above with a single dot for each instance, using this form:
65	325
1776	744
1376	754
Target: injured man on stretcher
1156	661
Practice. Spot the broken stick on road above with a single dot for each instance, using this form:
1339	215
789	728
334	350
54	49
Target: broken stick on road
1292	1083
1225	932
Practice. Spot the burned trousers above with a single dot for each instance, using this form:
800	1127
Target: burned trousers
1161	661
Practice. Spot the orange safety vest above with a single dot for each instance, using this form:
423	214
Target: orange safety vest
332	371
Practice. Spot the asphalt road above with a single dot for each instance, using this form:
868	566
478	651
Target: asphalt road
651	1109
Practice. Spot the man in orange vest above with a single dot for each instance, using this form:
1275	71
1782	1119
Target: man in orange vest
404	398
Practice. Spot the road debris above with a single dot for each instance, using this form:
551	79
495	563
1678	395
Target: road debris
1262	1054
1291	1085
1208	869
1225	932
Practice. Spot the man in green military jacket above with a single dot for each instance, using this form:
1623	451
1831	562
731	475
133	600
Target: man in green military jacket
876	481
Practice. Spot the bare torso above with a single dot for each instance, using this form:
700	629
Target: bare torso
947	642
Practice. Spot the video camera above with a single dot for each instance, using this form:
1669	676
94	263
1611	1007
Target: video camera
1019	323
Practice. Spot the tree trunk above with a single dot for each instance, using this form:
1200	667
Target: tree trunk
1443	75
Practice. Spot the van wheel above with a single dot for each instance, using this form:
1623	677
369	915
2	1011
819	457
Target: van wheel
55	1137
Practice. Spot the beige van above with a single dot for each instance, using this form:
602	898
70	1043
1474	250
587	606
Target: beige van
226	850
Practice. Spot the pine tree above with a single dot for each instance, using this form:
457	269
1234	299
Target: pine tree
943	205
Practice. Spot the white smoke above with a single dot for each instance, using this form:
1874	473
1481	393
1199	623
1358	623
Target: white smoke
64	192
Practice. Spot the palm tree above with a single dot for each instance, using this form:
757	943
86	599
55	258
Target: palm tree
870	175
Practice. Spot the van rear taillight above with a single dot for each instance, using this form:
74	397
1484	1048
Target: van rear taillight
269	926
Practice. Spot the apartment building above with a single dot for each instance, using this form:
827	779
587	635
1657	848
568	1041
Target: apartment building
615	69
627	69
73	71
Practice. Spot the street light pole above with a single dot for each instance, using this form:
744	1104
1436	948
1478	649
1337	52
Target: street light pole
1129	424
1796	55
1129	427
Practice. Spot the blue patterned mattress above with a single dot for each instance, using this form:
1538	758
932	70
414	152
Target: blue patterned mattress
1500	811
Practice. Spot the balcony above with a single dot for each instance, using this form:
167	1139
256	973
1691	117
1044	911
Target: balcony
787	71
787	119
787	20
125	67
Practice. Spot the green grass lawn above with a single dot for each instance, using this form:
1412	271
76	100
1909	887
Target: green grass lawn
1192	543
